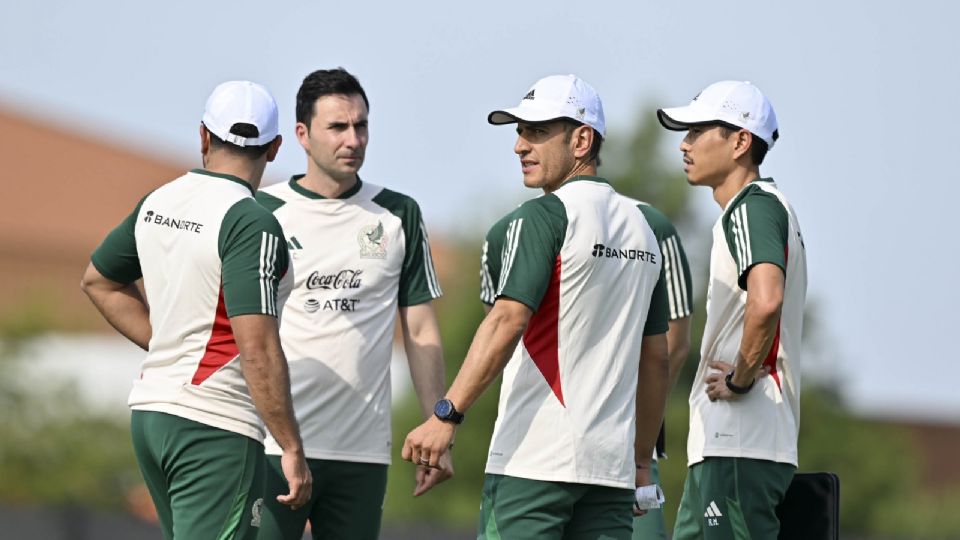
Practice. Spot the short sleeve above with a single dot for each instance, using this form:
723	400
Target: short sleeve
418	276
530	244
756	228
658	313
679	285
490	261
116	258
254	257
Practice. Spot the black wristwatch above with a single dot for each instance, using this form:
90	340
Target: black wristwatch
445	411
739	390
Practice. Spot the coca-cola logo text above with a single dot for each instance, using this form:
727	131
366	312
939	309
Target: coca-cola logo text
344	279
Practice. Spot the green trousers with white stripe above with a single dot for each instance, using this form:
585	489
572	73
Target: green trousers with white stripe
206	482
732	499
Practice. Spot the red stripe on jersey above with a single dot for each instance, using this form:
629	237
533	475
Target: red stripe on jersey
541	337
771	359
221	347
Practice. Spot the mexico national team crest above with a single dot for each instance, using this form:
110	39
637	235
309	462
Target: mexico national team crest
373	243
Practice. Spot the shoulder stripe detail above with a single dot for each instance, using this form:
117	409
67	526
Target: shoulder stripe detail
676	284
741	232
268	258
509	251
432	282
487	295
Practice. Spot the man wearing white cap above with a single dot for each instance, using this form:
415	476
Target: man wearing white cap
210	258
578	329
745	400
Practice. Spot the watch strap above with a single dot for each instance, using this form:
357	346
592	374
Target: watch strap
739	390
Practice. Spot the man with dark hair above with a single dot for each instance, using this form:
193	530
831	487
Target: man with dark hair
577	327
359	256
745	400
210	258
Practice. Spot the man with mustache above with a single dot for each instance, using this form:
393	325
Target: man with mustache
745	400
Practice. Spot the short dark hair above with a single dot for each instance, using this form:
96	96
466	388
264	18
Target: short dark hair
594	154
325	82
252	153
758	148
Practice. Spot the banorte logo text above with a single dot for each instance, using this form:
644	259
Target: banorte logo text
600	250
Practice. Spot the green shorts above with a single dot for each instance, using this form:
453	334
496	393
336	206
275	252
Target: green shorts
206	482
520	509
651	526
732	499
346	503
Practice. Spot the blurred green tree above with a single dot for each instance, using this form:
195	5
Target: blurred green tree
881	496
53	450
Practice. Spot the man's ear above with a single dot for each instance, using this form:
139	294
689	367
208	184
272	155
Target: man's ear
303	135
204	140
582	140
274	148
744	140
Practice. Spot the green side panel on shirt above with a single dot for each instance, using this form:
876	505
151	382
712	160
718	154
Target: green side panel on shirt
659	313
269	202
756	227
116	258
418	277
530	241
679	283
254	256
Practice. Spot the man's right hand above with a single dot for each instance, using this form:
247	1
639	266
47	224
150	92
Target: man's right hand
299	479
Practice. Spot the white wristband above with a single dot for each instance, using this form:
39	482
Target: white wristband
648	497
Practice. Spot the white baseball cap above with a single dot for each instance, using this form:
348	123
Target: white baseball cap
242	102
554	97
737	103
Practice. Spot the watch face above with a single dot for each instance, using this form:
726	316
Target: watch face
443	408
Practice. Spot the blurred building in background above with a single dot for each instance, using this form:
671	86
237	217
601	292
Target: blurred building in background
63	191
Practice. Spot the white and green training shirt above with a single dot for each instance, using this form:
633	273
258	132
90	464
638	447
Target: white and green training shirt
586	261
354	260
757	226
206	252
676	271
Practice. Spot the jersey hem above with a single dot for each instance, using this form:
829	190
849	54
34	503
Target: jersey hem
554	477
108	274
272	449
417	301
211	420
527	301
790	459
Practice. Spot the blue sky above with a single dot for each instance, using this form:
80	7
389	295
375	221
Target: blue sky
865	92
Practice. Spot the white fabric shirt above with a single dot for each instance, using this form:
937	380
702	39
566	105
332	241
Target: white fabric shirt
207	252
764	423
586	260
354	260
